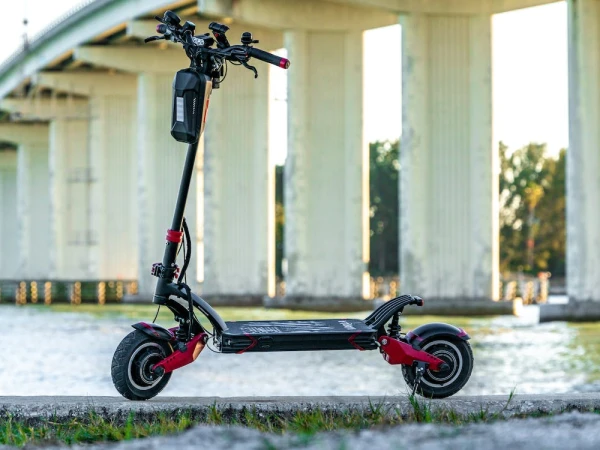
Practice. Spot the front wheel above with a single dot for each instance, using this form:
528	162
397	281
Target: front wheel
444	383
132	363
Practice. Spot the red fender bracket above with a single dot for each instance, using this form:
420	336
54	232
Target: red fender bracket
398	352
179	359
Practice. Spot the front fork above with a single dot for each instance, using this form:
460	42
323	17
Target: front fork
397	352
187	354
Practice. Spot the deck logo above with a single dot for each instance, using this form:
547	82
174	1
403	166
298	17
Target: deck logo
346	325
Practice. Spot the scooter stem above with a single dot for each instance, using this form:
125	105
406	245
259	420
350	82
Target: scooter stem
171	248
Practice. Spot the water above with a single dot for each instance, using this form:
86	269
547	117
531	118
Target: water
65	350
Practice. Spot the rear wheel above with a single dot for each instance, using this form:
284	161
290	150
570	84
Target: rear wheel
132	363
458	356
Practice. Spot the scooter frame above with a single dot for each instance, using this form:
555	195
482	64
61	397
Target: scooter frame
190	337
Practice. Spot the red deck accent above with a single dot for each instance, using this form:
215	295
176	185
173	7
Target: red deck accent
398	352
354	344
252	345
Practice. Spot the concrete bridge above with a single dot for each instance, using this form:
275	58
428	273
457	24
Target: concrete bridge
89	192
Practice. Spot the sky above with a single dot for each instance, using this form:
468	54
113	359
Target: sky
529	72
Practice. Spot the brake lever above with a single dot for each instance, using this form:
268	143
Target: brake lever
153	38
249	67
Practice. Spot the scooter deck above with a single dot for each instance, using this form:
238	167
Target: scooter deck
298	335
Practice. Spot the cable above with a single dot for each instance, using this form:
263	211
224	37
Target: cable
156	316
186	262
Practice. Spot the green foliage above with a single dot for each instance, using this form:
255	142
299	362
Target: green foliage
532	210
279	220
384	207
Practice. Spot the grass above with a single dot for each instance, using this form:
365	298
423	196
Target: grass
95	428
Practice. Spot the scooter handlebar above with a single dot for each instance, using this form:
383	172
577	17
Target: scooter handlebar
269	58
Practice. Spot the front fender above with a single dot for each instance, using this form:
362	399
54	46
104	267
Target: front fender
419	335
155	331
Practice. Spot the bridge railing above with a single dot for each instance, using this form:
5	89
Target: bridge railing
529	289
65	291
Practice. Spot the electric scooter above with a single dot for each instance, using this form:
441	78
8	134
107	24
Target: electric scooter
436	358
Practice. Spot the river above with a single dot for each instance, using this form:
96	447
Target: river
67	350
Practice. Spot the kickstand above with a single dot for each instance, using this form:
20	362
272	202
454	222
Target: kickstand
419	371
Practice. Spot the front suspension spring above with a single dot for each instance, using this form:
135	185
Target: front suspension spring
394	327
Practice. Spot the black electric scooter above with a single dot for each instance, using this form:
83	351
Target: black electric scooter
436	358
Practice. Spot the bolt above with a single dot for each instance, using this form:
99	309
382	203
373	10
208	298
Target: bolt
384	341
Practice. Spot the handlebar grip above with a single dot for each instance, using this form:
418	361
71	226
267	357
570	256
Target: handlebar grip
269	58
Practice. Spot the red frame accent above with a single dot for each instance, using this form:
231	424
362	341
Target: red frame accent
206	109
179	359
148	327
410	336
354	344
252	345
398	352
174	236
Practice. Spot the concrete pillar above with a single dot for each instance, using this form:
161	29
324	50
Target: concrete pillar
326	173
112	168
159	157
160	164
583	164
113	162
583	157
448	179
54	188
33	212
8	215
239	192
69	180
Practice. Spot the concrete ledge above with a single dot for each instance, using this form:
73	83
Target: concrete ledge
461	307
325	304
234	300
573	311
137	299
115	407
214	300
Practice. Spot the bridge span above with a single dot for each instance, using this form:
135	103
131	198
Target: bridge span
89	191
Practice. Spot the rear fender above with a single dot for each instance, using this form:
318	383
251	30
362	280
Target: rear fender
155	331
419	335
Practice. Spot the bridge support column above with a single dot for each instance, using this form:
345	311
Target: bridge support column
448	180
239	193
159	157
326	174
113	169
69	179
111	173
33	212
160	164
9	248
583	164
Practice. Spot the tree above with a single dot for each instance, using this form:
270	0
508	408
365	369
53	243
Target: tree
552	233
532	210
279	220
384	171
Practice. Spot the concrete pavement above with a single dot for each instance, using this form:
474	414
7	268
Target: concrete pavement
33	407
575	422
